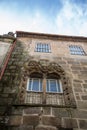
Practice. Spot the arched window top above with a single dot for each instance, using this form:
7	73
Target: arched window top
53	76
36	74
44	67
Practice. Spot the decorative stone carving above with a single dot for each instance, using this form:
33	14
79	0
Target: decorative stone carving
44	67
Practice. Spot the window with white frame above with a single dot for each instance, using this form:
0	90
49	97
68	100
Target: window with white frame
53	85
76	50
34	84
43	47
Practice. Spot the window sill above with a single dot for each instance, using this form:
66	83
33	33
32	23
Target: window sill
44	105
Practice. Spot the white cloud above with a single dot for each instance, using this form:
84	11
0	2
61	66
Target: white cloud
37	22
70	20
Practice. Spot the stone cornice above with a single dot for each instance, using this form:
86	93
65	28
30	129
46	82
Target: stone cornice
23	34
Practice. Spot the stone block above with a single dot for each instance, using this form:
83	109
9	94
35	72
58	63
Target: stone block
17	111
83	124
26	128
31	120
46	110
84	97
77	85
69	123
42	127
15	120
60	112
82	104
32	110
77	81
78	89
51	120
76	113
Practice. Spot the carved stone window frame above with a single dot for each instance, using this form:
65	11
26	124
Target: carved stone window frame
44	67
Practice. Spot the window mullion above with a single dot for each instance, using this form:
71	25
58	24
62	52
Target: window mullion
44	90
49	84
39	85
32	84
57	85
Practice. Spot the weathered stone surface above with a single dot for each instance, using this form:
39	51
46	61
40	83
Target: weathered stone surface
42	127
77	85
32	110
60	112
17	111
31	120
83	124
75	68
69	123
51	120
79	113
15	120
84	97
82	105
26	128
78	89
46	110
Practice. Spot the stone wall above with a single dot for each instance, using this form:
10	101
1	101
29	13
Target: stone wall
17	116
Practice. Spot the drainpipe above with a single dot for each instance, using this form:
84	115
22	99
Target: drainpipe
7	59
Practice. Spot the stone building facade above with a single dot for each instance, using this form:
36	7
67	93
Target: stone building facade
44	83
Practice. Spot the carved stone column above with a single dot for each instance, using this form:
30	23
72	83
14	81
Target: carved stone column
44	89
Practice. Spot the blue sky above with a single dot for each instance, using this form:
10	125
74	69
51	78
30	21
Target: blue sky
63	17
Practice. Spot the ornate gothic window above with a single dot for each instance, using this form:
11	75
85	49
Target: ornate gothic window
46	84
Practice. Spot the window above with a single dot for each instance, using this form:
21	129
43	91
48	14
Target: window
34	84
53	85
42	47
76	50
47	84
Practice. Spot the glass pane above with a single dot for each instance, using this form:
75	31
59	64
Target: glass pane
53	87
76	50
44	50
43	47
35	86
58	86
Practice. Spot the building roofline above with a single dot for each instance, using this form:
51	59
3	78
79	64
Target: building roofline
50	36
7	37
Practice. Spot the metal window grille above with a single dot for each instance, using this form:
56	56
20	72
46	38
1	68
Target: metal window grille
76	50
43	47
